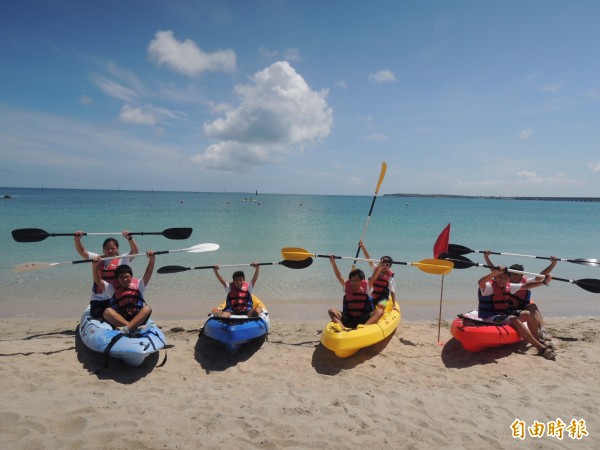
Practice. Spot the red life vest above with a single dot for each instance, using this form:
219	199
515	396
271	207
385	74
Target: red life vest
497	303
108	273
128	301
357	304
381	285
522	296
239	299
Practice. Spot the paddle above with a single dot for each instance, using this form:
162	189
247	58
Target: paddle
433	266
285	263
27	267
462	250
362	238
37	235
461	262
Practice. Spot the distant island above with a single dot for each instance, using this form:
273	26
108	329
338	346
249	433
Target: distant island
493	197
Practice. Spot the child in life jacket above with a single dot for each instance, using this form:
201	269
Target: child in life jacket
110	247
381	284
495	290
128	309
239	294
521	300
358	305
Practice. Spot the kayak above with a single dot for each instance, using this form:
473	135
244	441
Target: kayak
346	343
236	330
476	335
98	337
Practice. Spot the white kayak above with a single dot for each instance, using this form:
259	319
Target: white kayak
133	350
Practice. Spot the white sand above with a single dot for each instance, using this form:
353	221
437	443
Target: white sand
292	393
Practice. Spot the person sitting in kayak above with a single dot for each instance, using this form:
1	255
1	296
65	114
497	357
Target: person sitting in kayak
357	303
110	247
128	309
381	284
521	301
239	294
495	290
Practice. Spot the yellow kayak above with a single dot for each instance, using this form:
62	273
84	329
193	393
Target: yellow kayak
347	343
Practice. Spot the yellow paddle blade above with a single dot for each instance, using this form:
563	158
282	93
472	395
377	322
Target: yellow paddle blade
381	175
434	266
295	253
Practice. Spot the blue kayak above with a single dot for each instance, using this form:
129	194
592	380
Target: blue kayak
101	337
235	331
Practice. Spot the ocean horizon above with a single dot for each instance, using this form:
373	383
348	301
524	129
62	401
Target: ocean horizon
250	227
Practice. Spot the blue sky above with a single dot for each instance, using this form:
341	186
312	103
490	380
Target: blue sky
458	97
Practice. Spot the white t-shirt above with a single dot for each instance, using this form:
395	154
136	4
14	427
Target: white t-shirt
109	290
489	290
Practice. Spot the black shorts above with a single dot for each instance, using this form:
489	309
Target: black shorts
353	322
97	308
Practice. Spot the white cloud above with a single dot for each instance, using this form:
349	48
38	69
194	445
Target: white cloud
86	100
137	116
291	54
526	134
553	88
186	57
278	114
341	84
383	76
594	166
376	137
115	89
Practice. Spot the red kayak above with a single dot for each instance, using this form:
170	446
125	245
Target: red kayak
476	336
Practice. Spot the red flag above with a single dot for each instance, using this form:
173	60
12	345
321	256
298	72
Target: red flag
441	245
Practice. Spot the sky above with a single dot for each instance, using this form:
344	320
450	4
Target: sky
306	97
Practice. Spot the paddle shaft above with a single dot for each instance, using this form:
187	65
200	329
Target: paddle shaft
37	235
402	263
364	233
524	273
106	258
461	250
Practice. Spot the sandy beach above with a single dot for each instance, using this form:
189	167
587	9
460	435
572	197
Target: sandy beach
290	392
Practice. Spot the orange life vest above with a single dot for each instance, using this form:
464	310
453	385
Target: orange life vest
381	285
128	301
357	303
240	300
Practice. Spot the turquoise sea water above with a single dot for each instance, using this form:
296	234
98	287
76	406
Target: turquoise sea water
405	228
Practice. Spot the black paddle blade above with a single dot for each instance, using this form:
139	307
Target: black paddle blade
589	284
459	249
177	233
297	264
586	261
172	269
29	235
460	262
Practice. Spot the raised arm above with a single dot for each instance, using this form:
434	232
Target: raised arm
366	253
337	271
79	246
219	277
488	261
96	274
552	265
374	276
256	270
486	278
133	247
150	267
534	284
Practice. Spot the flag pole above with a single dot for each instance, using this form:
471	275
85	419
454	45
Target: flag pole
440	314
441	246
